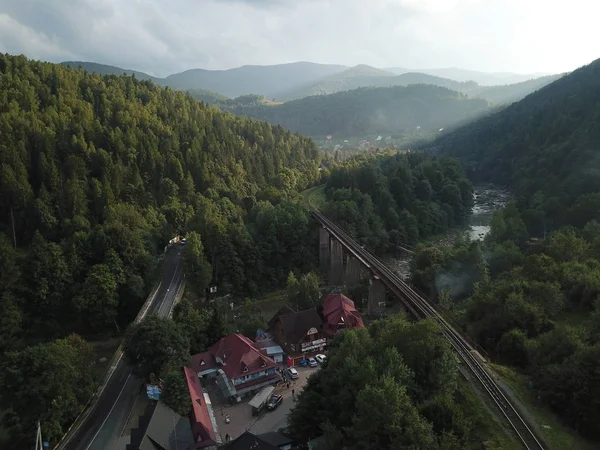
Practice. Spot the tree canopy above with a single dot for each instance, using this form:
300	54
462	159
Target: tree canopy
97	174
388	201
391	385
544	147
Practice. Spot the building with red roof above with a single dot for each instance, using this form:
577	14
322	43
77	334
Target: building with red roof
201	417
237	364
339	313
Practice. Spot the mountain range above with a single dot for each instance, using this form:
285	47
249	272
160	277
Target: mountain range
397	111
284	82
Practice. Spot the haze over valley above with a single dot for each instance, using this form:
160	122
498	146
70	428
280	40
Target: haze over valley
330	224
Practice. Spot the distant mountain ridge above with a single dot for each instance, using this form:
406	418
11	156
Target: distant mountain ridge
481	78
395	110
284	82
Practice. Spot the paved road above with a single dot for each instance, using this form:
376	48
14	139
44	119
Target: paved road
102	428
274	420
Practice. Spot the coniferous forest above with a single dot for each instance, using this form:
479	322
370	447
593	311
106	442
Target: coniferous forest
97	173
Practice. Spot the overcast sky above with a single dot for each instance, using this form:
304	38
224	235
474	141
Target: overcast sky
166	36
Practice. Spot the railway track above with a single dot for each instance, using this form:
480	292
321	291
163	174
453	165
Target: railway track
420	307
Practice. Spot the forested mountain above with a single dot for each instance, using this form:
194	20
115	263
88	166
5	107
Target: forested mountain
302	79
545	147
387	201
392	110
208	97
481	78
97	173
264	80
104	69
510	93
366	76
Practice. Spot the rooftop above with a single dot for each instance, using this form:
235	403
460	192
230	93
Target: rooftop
201	423
296	325
250	441
236	355
161	428
339	311
285	309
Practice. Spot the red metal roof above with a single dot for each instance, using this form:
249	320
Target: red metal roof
203	361
337	308
201	424
236	355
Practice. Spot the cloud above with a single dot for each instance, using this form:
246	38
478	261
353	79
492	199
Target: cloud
166	36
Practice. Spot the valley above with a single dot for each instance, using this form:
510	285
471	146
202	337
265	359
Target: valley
283	226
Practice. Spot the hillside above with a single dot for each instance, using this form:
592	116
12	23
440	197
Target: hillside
366	76
510	93
481	78
208	97
264	80
302	79
547	144
104	69
362	111
97	173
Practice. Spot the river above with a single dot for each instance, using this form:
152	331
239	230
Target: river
487	200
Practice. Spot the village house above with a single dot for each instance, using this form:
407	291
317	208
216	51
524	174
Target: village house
237	366
300	333
202	415
338	313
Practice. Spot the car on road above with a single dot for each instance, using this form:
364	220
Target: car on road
183	241
312	362
321	358
293	373
274	402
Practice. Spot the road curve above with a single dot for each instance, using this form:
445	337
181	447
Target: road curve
102	427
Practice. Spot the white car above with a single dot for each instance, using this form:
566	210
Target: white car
293	373
320	358
312	362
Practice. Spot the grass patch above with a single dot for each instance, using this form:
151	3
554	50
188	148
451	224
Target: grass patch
315	196
267	306
554	433
486	428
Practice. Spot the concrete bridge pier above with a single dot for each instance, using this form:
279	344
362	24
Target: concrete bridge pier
323	250
376	305
336	263
352	271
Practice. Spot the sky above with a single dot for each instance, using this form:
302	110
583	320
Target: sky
161	37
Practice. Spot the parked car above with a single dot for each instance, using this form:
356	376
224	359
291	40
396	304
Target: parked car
293	373
312	362
274	402
183	241
321	358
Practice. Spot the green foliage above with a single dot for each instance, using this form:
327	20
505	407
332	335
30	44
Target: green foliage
156	345
517	313
392	110
390	201
388	386
97	173
47	382
194	324
304	293
175	393
196	267
544	147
